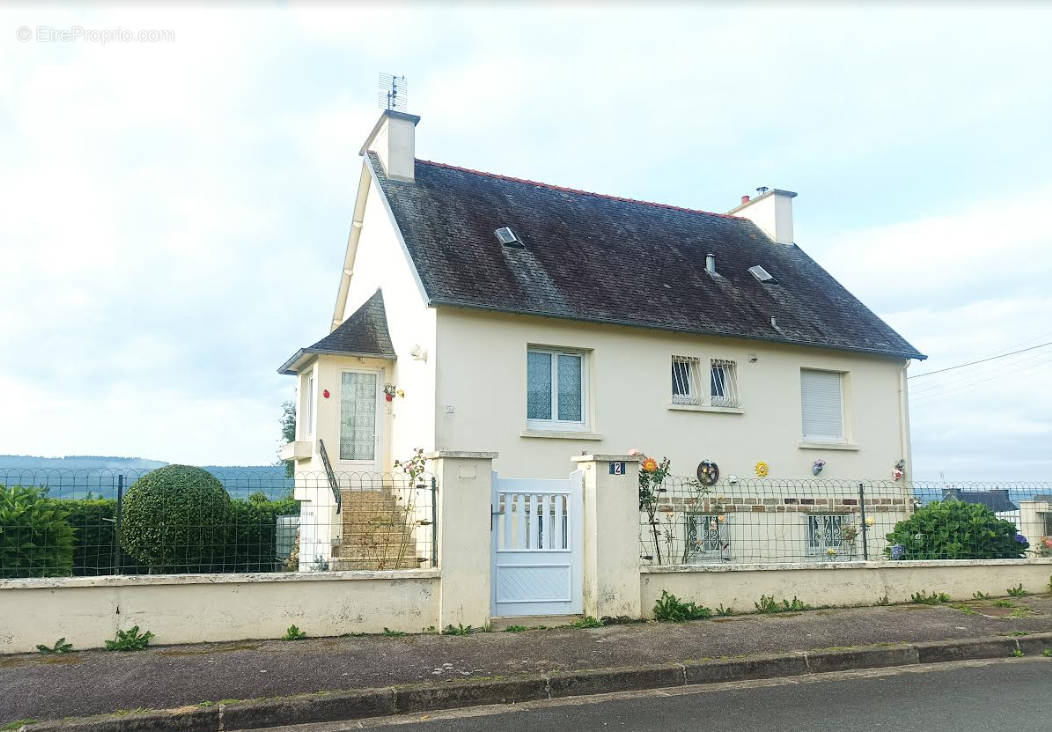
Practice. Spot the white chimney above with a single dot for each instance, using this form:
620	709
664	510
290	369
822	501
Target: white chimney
772	211
393	139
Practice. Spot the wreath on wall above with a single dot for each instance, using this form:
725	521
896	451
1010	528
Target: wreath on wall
708	472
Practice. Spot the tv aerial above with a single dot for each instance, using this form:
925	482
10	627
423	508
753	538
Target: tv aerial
392	93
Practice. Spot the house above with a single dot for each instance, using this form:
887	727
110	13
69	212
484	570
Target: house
478	311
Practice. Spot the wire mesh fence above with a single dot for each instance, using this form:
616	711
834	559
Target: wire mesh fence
177	520
771	521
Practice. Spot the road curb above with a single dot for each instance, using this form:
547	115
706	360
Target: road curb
362	703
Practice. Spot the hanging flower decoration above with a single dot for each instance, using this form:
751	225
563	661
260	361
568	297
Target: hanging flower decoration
817	465
896	474
762	469
870	521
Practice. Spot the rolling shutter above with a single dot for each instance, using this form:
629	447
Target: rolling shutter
822	406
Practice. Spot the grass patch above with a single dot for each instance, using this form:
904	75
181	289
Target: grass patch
934	598
292	633
15	724
458	629
670	609
1003	603
767	605
129	640
516	629
980	596
1017	591
964	608
393	633
1017	653
587	622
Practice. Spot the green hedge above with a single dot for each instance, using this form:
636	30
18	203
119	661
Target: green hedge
953	529
249	541
35	537
95	547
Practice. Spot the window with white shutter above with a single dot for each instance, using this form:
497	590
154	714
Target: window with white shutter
822	405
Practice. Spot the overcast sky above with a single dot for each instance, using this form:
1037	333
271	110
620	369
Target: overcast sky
175	213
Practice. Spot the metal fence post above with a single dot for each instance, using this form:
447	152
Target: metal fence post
117	526
862	511
434	522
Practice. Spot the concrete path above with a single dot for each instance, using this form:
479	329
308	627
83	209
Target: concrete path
50	687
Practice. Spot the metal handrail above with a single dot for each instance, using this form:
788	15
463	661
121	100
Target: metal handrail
332	476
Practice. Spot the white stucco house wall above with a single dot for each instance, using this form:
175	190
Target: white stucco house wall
540	322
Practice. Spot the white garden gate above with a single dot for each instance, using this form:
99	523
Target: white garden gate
537	534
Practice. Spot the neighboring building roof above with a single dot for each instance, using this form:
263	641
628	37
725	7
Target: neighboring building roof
364	333
995	500
614	260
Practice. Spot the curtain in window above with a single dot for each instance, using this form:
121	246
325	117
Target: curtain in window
539	385
569	388
358	416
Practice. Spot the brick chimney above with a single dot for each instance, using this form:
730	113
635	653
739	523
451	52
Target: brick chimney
393	139
772	211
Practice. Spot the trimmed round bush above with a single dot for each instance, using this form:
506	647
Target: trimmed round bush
955	530
175	519
35	538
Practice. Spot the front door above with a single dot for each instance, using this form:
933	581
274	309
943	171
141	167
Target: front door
537	542
360	421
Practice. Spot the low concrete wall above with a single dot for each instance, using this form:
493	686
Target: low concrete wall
738	586
214	607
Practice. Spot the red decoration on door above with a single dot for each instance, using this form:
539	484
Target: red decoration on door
325	393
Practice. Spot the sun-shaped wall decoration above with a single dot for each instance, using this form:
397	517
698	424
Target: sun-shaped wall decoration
762	469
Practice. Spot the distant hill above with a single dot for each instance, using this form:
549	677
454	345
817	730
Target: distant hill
74	476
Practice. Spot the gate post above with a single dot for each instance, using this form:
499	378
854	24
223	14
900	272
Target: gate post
465	482
611	535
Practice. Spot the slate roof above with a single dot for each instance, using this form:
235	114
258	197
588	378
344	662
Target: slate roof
364	333
995	500
613	260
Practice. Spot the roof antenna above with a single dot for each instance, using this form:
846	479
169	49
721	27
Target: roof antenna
392	92
762	189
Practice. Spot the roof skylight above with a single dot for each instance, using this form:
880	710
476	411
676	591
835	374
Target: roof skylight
507	237
760	273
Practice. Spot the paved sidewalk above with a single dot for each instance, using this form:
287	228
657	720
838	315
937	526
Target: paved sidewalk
93	682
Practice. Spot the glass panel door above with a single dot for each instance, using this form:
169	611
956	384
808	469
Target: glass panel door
358	416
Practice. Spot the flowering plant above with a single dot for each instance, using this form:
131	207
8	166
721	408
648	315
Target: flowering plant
414	466
1044	546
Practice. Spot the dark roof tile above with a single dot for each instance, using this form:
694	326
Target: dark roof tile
615	260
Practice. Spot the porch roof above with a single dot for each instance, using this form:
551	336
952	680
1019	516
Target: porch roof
364	334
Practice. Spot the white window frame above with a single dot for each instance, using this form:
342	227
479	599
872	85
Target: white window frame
731	397
310	407
835	526
692	383
840	439
555	424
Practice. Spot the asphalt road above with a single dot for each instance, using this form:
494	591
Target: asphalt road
1013	694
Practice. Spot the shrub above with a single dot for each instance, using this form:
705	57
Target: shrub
95	546
768	604
670	608
35	538
175	519
129	640
293	633
251	543
956	530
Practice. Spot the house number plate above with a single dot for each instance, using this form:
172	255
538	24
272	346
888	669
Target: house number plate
617	468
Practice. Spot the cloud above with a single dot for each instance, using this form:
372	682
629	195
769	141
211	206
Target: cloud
175	214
